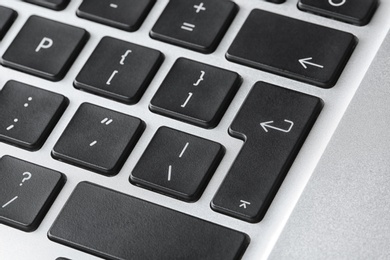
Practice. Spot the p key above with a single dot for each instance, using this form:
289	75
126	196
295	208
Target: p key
273	122
45	53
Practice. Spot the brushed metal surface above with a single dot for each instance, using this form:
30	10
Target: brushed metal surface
343	212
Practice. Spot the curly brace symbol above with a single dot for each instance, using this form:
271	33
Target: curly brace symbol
202	73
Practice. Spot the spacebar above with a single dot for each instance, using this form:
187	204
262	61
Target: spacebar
113	225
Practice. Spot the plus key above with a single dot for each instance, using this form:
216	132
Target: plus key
194	24
274	123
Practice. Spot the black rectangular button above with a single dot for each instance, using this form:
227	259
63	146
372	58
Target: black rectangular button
274	123
52	4
123	14
358	12
47	53
113	225
193	24
115	70
7	17
98	139
195	92
177	164
28	114
26	192
292	48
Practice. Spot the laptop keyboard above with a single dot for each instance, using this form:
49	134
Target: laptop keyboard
180	156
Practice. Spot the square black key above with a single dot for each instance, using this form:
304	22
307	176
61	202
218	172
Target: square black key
177	164
127	15
45	53
7	17
119	70
28	114
26	192
194	24
196	93
98	139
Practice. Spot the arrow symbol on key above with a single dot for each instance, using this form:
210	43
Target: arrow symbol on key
266	125
304	62
244	204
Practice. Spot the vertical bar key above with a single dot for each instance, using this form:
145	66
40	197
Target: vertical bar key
274	123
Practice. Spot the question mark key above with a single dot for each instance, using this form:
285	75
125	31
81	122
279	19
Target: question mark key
27	191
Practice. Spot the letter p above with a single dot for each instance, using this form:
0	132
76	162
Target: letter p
46	43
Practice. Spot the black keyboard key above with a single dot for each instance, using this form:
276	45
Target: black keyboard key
52	4
127	15
28	114
296	49
177	164
276	1
45	53
196	93
118	226
7	17
274	123
26	192
119	70
98	139
358	12
194	24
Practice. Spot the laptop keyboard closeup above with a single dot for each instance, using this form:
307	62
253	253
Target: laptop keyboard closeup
156	129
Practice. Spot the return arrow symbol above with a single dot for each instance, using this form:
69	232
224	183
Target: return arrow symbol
266	125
